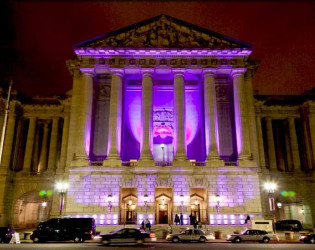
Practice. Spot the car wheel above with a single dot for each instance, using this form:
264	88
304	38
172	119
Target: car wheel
266	240
36	240
175	239
237	240
139	241
105	242
77	239
202	239
312	240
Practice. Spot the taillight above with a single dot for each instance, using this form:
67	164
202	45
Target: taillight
8	234
152	235
91	232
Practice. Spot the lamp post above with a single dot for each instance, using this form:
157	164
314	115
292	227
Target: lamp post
62	188
217	200
110	200
162	147
181	199
270	187
145	200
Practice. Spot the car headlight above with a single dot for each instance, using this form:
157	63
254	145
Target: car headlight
228	236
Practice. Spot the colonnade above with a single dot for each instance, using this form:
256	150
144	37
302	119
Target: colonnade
80	125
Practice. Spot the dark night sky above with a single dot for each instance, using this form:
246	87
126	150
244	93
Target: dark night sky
283	35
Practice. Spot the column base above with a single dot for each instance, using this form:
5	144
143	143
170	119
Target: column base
146	163
246	163
181	163
80	163
214	163
112	163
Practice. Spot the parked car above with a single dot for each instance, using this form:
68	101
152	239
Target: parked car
310	238
127	235
252	235
62	229
289	225
6	234
190	235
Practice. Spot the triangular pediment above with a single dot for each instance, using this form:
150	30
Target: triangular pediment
163	32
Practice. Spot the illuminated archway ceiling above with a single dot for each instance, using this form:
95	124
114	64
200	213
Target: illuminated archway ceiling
163	32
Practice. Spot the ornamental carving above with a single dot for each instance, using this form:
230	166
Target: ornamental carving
129	181
103	92
163	115
222	92
198	182
164	182
164	32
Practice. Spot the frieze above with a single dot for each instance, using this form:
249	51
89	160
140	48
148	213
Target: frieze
164	182
198	182
129	181
114	62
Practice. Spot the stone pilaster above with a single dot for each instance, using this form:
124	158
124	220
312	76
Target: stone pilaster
83	122
179	119
146	158
115	120
241	119
29	145
8	140
271	145
294	145
64	142
260	142
311	120
53	145
211	126
43	151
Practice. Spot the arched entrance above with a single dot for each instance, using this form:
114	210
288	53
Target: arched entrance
30	209
164	207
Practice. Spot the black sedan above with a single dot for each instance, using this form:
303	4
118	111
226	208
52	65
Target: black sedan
6	234
310	238
127	235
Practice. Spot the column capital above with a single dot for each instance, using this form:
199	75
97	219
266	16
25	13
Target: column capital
88	71
209	72
237	72
179	72
147	72
117	72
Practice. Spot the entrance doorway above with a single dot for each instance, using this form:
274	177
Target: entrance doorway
163	201
128	214
198	205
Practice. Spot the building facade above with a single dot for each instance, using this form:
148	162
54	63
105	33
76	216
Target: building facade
161	120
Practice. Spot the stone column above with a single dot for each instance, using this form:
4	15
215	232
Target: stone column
8	141
53	145
260	142
43	151
179	118
83	122
29	145
294	145
241	119
306	135
271	145
288	156
64	142
211	126
146	158
115	116
312	130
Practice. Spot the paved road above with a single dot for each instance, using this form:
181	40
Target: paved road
159	246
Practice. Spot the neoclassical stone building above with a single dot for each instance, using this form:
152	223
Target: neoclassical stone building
161	120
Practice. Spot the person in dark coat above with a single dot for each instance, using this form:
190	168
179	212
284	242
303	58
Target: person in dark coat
177	219
142	225
181	217
148	225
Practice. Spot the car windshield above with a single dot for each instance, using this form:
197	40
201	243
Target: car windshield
244	232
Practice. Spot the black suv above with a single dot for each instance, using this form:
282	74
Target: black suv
62	229
289	225
6	234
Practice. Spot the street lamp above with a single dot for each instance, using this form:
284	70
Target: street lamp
217	200
270	187
110	200
62	188
145	200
